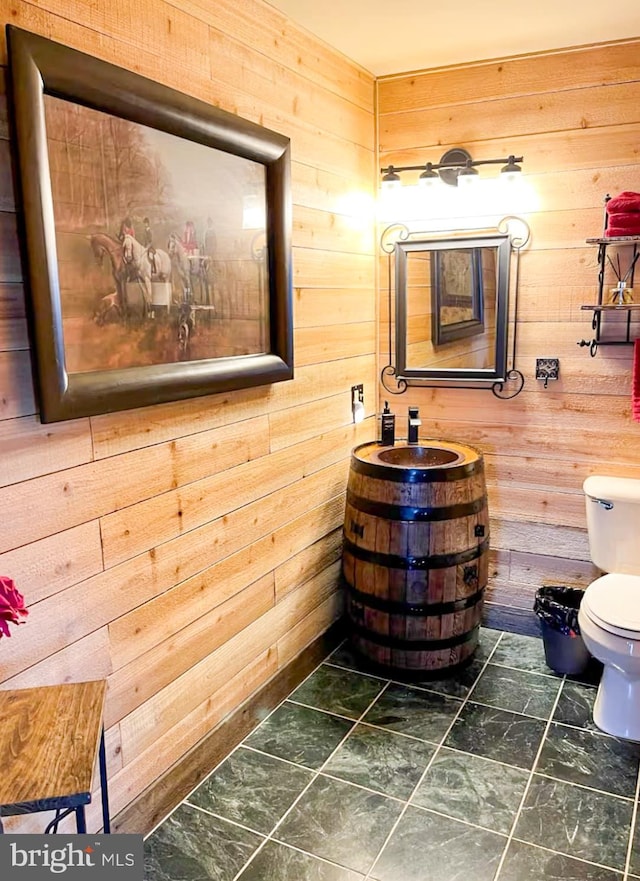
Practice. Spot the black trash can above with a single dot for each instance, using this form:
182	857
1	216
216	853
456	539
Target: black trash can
557	608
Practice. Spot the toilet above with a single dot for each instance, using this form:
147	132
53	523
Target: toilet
609	616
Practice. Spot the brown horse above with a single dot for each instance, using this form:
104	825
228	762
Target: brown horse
102	244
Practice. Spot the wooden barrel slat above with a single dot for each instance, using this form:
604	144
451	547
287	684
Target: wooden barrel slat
415	558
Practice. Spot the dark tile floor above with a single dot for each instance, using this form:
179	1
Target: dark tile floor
498	773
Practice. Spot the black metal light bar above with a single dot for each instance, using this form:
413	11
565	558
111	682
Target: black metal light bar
454	162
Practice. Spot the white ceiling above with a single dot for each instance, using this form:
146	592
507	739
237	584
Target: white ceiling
393	36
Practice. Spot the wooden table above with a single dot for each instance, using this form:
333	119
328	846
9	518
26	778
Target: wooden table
50	738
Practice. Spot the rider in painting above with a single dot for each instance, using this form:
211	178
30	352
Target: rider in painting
126	229
148	243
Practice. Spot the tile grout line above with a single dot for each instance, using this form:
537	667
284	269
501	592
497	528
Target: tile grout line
304	853
560	854
454	697
634	820
556	677
430	762
424	683
529	781
317	773
224	819
411	737
588	788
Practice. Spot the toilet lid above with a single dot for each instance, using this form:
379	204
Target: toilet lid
613	602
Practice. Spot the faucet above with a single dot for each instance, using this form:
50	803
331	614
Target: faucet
414	423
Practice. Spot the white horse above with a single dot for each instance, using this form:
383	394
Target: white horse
146	262
189	267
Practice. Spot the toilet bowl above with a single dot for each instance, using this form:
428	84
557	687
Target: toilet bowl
609	621
609	616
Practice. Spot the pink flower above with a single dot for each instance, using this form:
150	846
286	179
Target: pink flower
11	605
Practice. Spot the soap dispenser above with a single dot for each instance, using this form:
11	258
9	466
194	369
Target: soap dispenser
388	427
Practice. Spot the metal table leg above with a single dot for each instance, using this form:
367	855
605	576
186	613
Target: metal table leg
106	821
81	820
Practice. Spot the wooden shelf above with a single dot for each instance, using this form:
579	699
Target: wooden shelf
613	307
599	309
614	240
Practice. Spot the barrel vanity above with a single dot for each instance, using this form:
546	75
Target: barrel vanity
415	555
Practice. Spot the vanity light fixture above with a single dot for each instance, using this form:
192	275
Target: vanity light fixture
455	167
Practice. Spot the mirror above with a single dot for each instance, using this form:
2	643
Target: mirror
452	308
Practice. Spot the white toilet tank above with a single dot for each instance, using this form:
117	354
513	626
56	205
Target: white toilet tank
613	521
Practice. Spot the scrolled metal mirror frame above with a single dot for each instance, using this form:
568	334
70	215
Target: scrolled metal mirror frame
516	233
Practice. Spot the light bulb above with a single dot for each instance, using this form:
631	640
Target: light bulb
467	177
391	180
510	172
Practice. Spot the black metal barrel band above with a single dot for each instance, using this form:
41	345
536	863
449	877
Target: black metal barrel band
423	610
397	642
411	513
434	561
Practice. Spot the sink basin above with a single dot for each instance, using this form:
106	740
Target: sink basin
417	456
419	462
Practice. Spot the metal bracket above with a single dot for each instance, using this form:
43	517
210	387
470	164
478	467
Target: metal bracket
401	384
547	368
513	375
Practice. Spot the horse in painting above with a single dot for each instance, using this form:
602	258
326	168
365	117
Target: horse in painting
189	267
103	244
144	263
118	305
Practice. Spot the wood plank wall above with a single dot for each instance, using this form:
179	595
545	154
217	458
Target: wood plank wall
574	116
188	551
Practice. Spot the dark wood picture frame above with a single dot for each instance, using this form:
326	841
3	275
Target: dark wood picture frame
441	296
39	67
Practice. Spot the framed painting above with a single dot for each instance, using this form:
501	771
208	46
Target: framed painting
156	236
457	297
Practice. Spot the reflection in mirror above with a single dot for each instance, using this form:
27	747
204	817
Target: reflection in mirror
451	308
457	294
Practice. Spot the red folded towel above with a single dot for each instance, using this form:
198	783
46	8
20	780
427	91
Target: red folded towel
625	202
625	218
614	230
635	382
